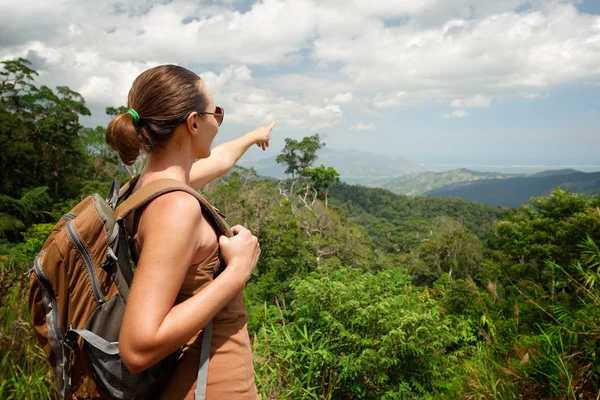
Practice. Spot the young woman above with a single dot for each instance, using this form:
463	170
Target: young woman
173	119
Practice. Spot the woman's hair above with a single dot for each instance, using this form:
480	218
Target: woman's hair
163	97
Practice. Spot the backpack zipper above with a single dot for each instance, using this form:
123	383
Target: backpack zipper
88	261
39	272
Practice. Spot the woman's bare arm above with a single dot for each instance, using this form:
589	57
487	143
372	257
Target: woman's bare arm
169	236
224	156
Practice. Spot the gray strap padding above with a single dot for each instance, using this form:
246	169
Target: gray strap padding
113	349
98	342
200	392
113	194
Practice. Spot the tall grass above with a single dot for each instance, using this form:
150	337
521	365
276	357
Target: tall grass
24	372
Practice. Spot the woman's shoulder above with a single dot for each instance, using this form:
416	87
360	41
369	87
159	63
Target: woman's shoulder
174	202
171	211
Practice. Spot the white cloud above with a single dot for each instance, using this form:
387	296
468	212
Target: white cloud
477	101
363	127
457	52
389	100
342	98
235	89
500	54
424	11
456	114
182	30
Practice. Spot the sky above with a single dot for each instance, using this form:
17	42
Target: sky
437	81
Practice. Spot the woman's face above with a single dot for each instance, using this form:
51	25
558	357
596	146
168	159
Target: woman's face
207	127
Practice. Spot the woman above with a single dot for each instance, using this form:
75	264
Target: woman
173	118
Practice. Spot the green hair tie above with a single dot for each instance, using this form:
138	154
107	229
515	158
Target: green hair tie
134	114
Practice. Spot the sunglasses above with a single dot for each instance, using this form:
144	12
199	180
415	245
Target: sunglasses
219	114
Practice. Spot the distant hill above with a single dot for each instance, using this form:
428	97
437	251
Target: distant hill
514	192
419	183
354	166
566	171
388	216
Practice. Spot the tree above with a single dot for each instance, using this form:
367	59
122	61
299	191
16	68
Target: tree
17	215
298	156
321	179
551	230
114	111
62	151
15	81
451	249
39	134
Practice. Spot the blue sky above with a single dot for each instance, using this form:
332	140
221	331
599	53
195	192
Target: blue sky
437	81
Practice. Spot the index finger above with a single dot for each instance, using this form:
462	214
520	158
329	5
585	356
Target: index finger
270	127
237	229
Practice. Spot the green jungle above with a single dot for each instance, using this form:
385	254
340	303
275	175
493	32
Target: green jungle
359	293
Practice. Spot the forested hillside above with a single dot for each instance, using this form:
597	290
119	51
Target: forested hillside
515	192
359	293
419	183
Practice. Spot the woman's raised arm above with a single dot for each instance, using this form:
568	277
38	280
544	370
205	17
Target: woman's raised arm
224	156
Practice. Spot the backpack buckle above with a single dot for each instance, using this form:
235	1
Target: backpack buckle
111	259
69	341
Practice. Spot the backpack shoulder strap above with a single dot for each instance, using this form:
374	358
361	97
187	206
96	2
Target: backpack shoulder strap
154	189
125	190
145	195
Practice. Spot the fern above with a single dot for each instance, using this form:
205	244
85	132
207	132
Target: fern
16	215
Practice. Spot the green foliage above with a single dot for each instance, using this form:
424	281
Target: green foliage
573	352
17	215
321	179
114	111
551	231
486	378
371	336
374	296
450	248
42	141
24	371
16	80
299	155
46	156
399	223
295	239
552	369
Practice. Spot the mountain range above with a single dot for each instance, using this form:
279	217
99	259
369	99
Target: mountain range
514	192
402	176
415	184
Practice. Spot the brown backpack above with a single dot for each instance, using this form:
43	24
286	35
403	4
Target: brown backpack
78	290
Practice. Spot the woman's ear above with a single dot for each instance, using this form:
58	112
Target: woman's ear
193	123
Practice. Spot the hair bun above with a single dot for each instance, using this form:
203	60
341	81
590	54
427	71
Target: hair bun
122	136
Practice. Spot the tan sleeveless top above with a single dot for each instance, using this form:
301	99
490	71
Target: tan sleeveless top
230	369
